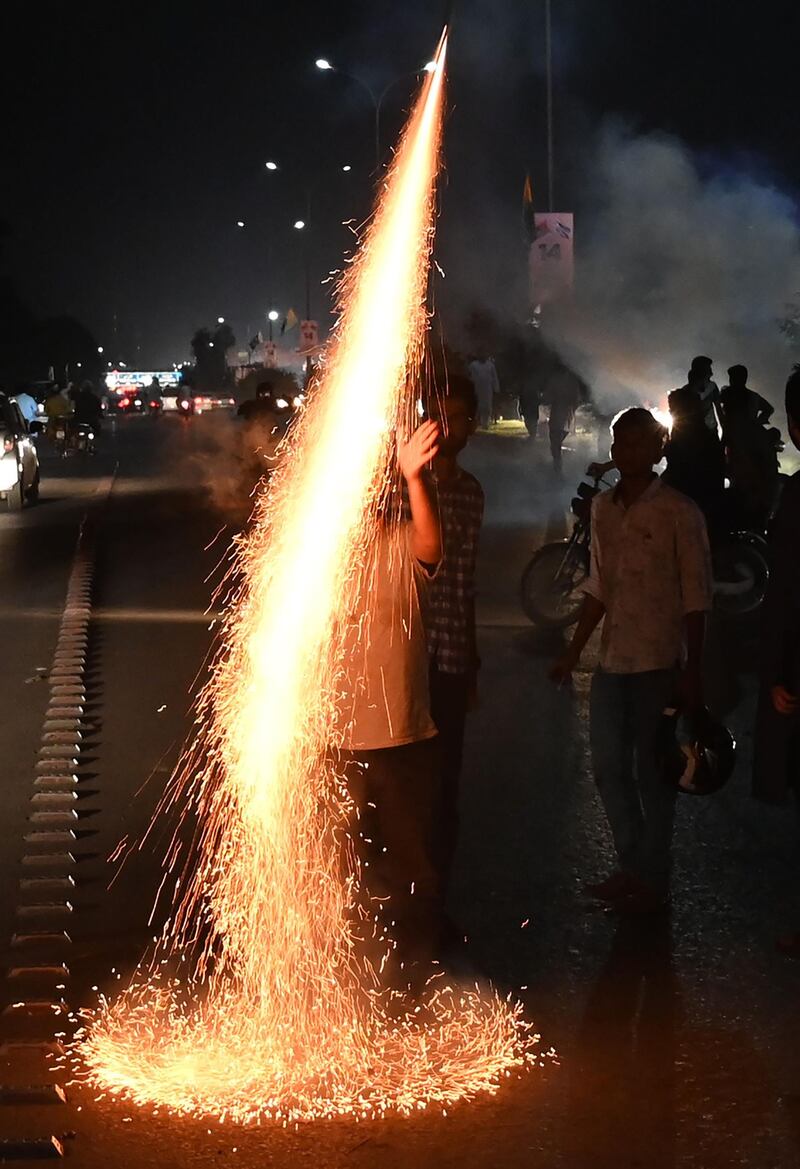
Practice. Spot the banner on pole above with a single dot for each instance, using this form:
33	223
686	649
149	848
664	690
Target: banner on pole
551	255
309	336
270	354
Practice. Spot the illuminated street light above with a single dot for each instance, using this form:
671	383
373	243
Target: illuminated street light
220	320
299	224
271	165
376	99
273	314
211	344
347	167
99	348
240	223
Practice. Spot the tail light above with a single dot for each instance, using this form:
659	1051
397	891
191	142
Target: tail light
124	403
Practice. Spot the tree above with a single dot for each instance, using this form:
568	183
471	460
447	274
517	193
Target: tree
211	372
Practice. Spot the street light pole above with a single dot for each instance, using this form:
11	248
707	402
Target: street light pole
548	43
377	100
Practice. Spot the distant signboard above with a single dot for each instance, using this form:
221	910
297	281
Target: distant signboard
118	379
552	256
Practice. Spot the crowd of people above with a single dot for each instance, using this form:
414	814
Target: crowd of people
650	588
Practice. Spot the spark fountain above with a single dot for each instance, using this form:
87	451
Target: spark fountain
255	1003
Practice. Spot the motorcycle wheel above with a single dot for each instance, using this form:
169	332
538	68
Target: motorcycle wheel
741	575
550	589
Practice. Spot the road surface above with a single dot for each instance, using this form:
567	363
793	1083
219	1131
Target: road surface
677	1042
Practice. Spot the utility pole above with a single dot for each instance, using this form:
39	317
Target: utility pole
548	44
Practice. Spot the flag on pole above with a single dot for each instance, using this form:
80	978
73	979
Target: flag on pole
528	217
289	321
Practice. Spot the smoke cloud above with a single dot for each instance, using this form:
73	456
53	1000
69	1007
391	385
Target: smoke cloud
669	264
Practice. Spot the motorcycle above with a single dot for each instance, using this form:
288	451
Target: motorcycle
70	438
155	407
551	586
82	438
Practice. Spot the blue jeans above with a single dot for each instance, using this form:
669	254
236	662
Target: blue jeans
624	716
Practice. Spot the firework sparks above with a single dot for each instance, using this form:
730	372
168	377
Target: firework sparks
278	1015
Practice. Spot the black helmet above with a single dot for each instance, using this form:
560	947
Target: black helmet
700	761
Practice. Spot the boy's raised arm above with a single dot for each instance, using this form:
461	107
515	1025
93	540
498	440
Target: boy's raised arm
413	455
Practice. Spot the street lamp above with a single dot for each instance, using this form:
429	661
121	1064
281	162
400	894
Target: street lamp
100	349
273	314
375	98
299	224
220	320
347	168
240	223
271	165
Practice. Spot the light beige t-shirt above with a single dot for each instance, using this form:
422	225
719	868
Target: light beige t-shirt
385	700
651	566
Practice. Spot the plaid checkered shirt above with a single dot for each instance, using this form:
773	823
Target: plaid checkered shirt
450	597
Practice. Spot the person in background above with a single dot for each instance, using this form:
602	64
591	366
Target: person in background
58	408
694	452
738	396
88	408
650	585
260	408
450	611
387	746
701	378
776	758
563	389
751	452
530	404
484	377
28	406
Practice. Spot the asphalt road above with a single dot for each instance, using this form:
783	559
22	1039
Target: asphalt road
677	1043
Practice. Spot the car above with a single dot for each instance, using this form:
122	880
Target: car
205	402
19	461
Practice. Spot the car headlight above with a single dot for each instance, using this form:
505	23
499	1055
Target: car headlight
281	403
297	402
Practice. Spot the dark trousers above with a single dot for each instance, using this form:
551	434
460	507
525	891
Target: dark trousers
625	712
449	698
397	793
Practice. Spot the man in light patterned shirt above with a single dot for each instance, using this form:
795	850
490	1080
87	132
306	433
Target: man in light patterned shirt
650	585
450	609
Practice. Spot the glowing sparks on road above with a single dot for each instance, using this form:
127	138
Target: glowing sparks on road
278	1016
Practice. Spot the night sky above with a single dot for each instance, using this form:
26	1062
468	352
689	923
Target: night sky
136	137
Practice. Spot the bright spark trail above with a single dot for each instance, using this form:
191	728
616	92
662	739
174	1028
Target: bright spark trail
256	1003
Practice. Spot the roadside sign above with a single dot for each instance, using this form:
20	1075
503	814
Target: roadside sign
309	335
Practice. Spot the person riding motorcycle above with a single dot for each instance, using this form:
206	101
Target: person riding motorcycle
88	409
58	409
260	408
